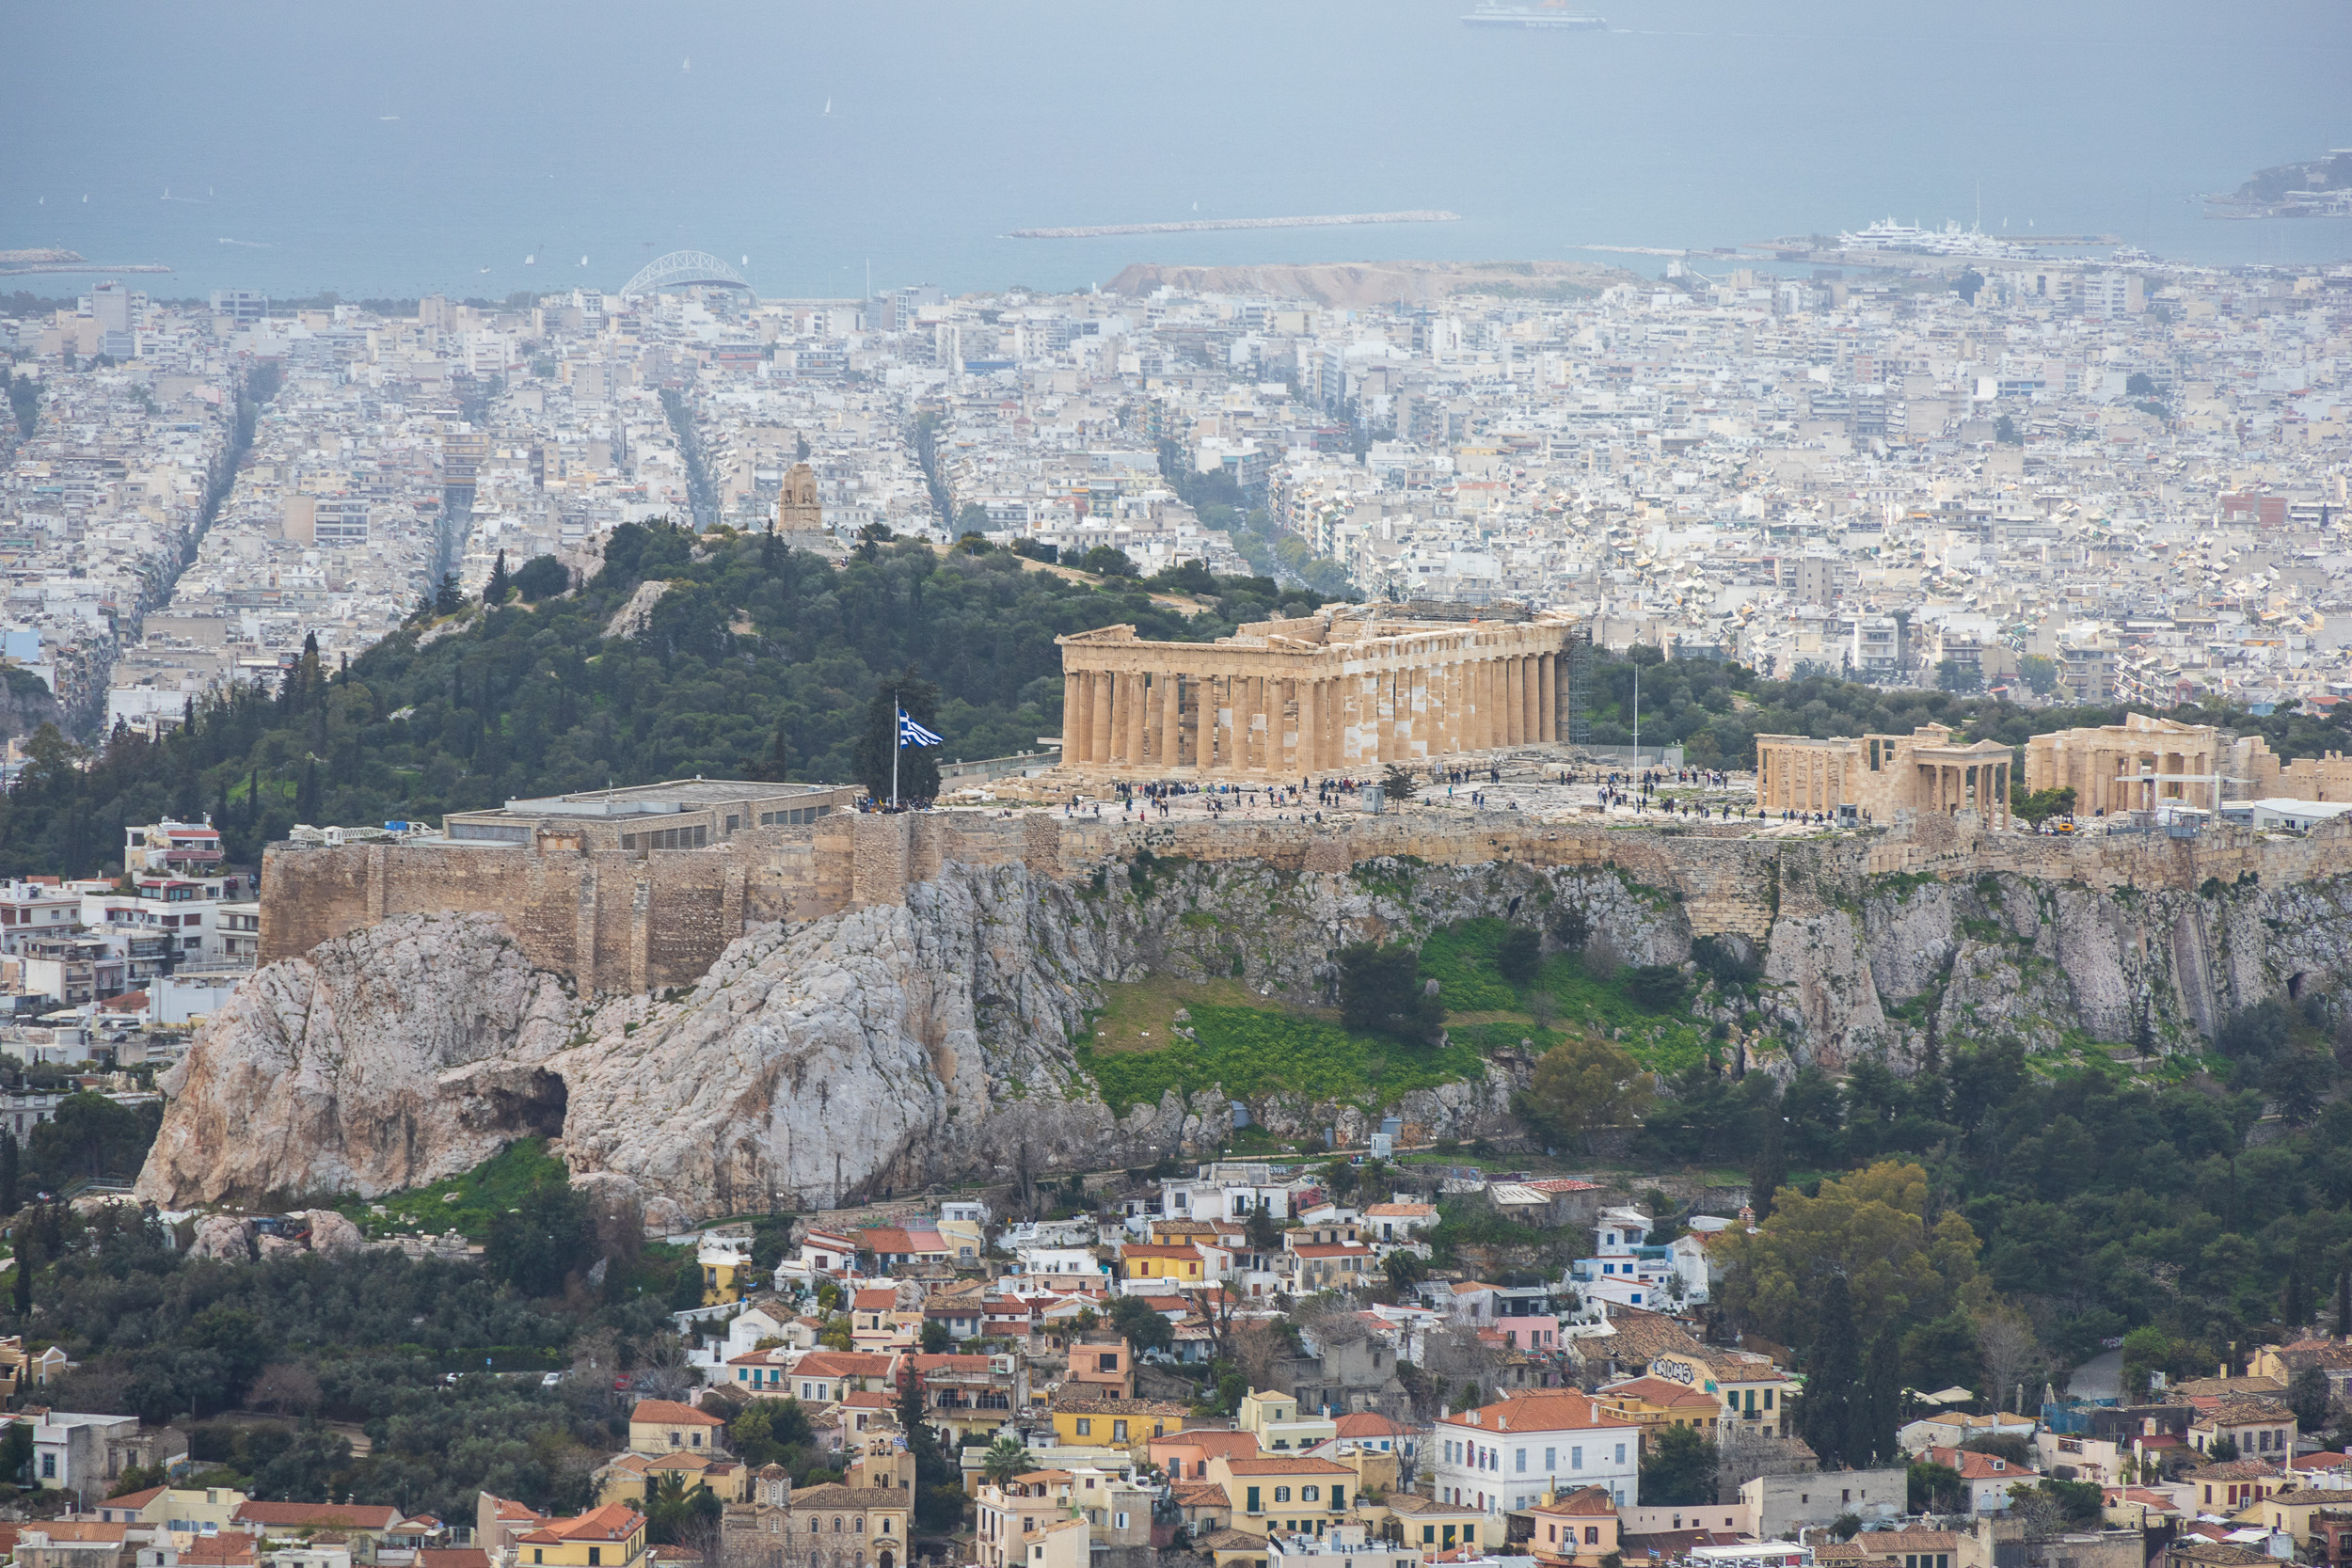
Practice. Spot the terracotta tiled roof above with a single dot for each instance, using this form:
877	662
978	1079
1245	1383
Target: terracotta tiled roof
1368	1423
1539	1410
670	1413
316	1515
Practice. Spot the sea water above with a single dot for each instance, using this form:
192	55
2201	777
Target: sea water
476	149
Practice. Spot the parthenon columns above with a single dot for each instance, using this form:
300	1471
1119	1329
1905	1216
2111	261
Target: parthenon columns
1290	698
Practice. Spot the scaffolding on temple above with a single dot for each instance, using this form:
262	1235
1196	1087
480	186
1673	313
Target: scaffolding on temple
1575	691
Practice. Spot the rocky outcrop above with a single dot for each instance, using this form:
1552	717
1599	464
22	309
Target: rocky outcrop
894	1046
398	1054
331	1234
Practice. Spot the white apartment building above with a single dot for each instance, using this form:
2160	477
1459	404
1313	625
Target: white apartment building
1508	1454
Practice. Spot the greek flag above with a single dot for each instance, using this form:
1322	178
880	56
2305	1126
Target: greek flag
913	734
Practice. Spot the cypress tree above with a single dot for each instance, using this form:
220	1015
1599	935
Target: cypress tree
2344	1304
27	1259
1879	1411
1771	1171
308	802
2294	1305
7	1172
499	584
1826	1420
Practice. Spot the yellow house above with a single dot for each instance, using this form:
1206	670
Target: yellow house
727	1265
1179	1263
1285	1495
626	1477
196	1510
2291	1512
612	1536
1129	1424
665	1426
1438	1526
1279	1428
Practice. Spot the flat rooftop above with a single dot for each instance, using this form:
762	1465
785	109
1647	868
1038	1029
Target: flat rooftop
654	800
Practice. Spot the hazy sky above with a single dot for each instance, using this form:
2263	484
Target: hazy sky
389	149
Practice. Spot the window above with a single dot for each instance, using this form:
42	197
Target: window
1520	1462
1281	1494
1591	1535
1768	1398
1551	1461
1086	1427
49	1466
596	1556
1254	1506
1119	1432
1576	1459
1621	1453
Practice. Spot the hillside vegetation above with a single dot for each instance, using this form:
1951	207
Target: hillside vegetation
762	661
756	661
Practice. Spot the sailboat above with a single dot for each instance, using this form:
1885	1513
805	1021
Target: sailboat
828	105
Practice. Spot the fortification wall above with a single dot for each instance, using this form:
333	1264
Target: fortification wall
616	920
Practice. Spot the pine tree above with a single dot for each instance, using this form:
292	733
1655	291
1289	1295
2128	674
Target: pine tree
1826	1419
501	584
450	599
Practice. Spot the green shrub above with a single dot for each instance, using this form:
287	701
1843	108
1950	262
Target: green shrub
1382	991
1657	988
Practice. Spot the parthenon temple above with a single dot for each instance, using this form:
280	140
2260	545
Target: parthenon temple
1352	687
1882	774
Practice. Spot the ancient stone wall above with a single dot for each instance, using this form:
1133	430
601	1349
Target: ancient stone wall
646	920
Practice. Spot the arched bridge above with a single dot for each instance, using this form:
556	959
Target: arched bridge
683	268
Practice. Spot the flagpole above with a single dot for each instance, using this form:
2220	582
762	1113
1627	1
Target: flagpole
898	743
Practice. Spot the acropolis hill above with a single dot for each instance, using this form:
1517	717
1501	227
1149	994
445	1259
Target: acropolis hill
723	992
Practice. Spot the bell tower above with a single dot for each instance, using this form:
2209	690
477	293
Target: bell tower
798	509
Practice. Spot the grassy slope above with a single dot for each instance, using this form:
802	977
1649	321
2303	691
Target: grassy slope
1254	1047
466	1203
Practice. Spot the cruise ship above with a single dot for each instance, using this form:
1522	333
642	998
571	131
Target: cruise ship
1950	240
1550	14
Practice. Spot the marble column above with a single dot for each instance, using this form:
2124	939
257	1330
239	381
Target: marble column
1548	699
1309	716
1441	707
1171	719
1099	715
1073	717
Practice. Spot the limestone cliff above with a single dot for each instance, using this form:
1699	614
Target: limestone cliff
897	1045
395	1056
